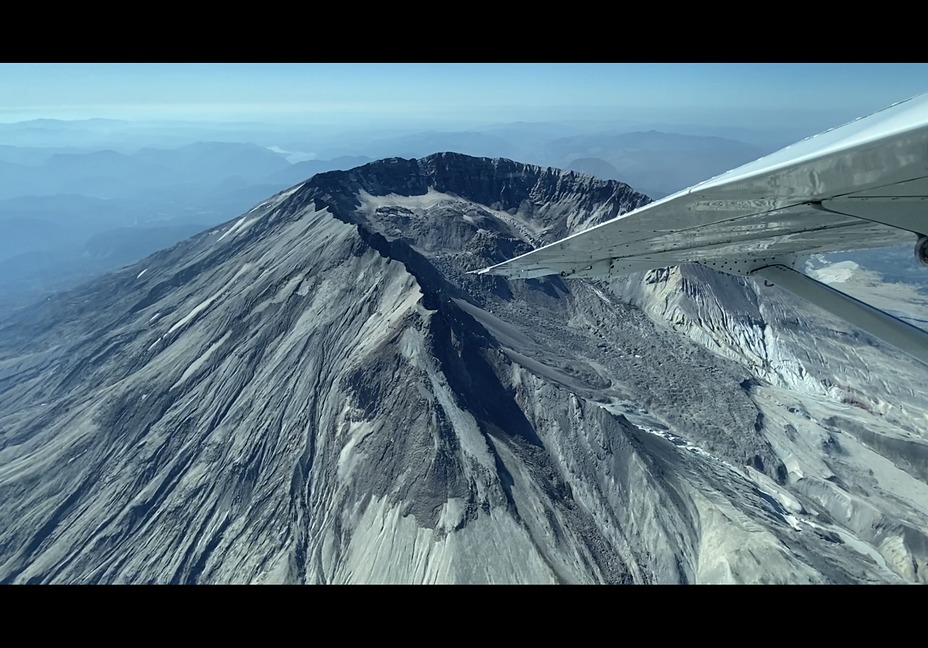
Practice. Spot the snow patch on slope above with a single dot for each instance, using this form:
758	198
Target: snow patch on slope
202	306
199	362
837	272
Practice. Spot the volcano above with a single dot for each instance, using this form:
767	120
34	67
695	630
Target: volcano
320	392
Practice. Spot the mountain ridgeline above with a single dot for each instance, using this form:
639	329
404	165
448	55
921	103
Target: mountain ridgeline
320	392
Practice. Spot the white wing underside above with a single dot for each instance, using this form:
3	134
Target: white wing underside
862	185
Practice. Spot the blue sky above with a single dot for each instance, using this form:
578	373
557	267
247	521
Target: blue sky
476	92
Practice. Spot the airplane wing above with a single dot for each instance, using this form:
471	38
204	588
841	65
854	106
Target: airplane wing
862	185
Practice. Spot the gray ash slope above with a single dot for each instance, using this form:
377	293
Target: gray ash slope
319	392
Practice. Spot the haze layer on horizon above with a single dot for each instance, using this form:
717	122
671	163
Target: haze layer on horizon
757	96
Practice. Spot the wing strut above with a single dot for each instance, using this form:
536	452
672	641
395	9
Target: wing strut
903	336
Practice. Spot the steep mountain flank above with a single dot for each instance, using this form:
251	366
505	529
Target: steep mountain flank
319	392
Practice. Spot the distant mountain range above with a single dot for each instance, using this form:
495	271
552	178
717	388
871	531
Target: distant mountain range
108	174
79	179
656	163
